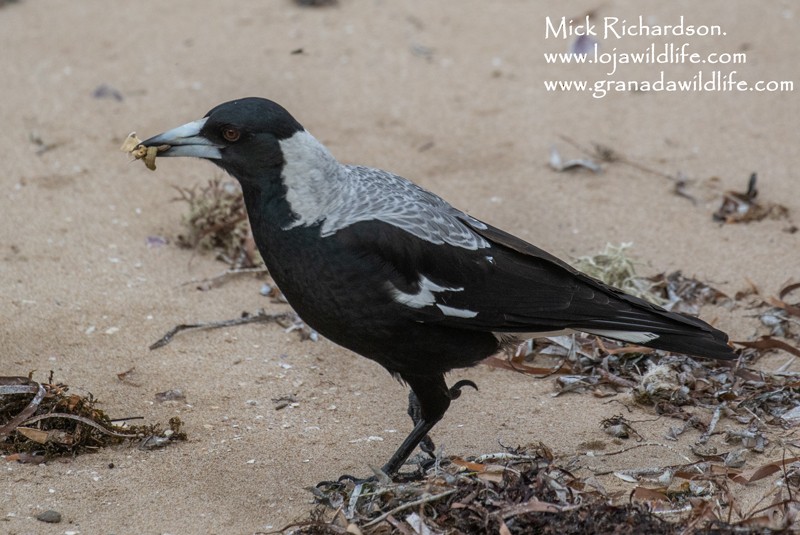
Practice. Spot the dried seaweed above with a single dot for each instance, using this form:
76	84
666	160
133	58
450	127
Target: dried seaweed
39	421
747	407
522	491
525	490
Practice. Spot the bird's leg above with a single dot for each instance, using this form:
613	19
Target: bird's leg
427	403
415	411
430	401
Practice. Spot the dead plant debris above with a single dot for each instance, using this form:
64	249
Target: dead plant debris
747	408
672	291
614	266
527	490
743	207
557	164
290	321
673	384
216	281
217	220
779	317
737	207
39	421
607	154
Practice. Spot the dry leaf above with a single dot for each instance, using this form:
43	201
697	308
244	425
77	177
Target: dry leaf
643	494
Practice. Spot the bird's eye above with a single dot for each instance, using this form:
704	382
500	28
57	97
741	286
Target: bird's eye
231	134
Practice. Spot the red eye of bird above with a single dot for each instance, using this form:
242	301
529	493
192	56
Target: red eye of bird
231	134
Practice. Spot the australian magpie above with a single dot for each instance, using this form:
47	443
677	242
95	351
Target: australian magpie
394	273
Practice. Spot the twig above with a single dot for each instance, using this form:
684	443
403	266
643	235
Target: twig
505	457
218	280
403	507
619	158
257	318
623	450
570	356
615	379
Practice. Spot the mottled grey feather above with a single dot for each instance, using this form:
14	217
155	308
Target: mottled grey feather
320	190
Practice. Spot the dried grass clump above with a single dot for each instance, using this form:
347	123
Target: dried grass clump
217	221
614	266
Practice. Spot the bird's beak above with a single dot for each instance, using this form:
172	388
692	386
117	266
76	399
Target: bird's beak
186	140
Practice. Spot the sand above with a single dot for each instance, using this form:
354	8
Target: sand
450	95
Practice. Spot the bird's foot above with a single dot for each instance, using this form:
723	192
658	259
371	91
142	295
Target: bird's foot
343	482
346	480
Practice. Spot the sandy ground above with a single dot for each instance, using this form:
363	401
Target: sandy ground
448	94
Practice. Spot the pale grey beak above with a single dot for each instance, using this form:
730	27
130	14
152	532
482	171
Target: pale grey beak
186	140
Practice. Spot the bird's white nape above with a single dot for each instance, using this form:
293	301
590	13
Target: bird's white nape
311	176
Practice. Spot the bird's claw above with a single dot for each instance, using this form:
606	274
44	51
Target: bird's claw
343	481
455	390
427	445
379	476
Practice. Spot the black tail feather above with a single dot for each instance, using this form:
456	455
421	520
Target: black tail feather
701	344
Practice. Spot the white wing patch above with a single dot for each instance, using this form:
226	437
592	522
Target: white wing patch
424	297
457	312
321	190
633	337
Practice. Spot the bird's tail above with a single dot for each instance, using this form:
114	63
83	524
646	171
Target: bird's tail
669	331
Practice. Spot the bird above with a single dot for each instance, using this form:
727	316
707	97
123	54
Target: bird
393	272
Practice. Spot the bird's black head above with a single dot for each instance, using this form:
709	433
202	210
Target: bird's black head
241	136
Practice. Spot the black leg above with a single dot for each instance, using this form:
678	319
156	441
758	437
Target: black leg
415	411
428	401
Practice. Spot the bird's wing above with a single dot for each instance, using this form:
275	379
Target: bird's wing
375	195
513	286
598	308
